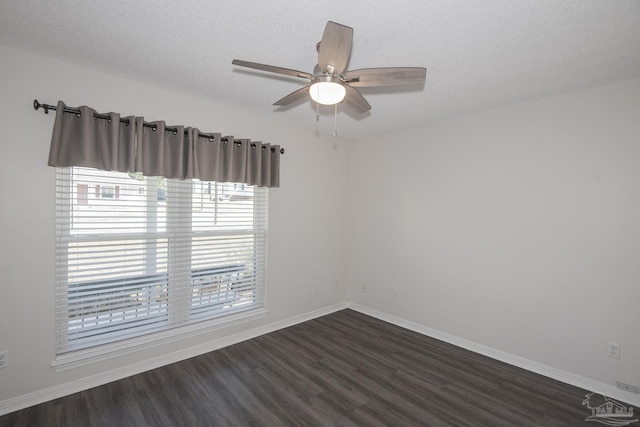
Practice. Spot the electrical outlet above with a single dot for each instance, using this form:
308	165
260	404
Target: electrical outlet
314	289
396	293
4	359
364	289
614	350
628	387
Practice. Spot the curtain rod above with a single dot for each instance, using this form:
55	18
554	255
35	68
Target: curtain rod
47	107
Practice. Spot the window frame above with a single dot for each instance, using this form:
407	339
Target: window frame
178	328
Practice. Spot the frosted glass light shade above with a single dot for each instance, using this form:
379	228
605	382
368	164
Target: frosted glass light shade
327	92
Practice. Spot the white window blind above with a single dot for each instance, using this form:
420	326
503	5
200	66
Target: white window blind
137	255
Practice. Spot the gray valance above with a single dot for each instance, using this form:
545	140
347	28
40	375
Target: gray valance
83	137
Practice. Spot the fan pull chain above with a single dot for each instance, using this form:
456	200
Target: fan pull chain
335	121
317	111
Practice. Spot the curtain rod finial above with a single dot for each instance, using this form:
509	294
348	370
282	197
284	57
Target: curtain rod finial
37	105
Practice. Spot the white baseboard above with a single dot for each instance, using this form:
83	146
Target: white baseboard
520	362
41	396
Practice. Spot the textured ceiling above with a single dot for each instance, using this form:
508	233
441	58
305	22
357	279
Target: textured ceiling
478	54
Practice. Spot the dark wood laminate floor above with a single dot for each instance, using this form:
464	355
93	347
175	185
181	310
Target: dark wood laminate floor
344	369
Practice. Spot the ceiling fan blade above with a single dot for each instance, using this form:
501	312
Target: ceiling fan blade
389	76
272	69
293	96
356	100
335	48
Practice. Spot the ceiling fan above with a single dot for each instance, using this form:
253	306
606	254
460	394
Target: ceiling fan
331	83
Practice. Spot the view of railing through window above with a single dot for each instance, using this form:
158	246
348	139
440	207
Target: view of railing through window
142	254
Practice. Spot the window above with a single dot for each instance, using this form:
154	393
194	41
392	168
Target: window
149	254
82	198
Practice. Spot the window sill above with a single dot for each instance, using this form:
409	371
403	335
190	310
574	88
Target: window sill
109	351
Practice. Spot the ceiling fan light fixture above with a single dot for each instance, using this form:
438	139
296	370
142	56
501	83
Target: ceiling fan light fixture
327	90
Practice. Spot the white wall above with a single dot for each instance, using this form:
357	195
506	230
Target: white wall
515	228
307	226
